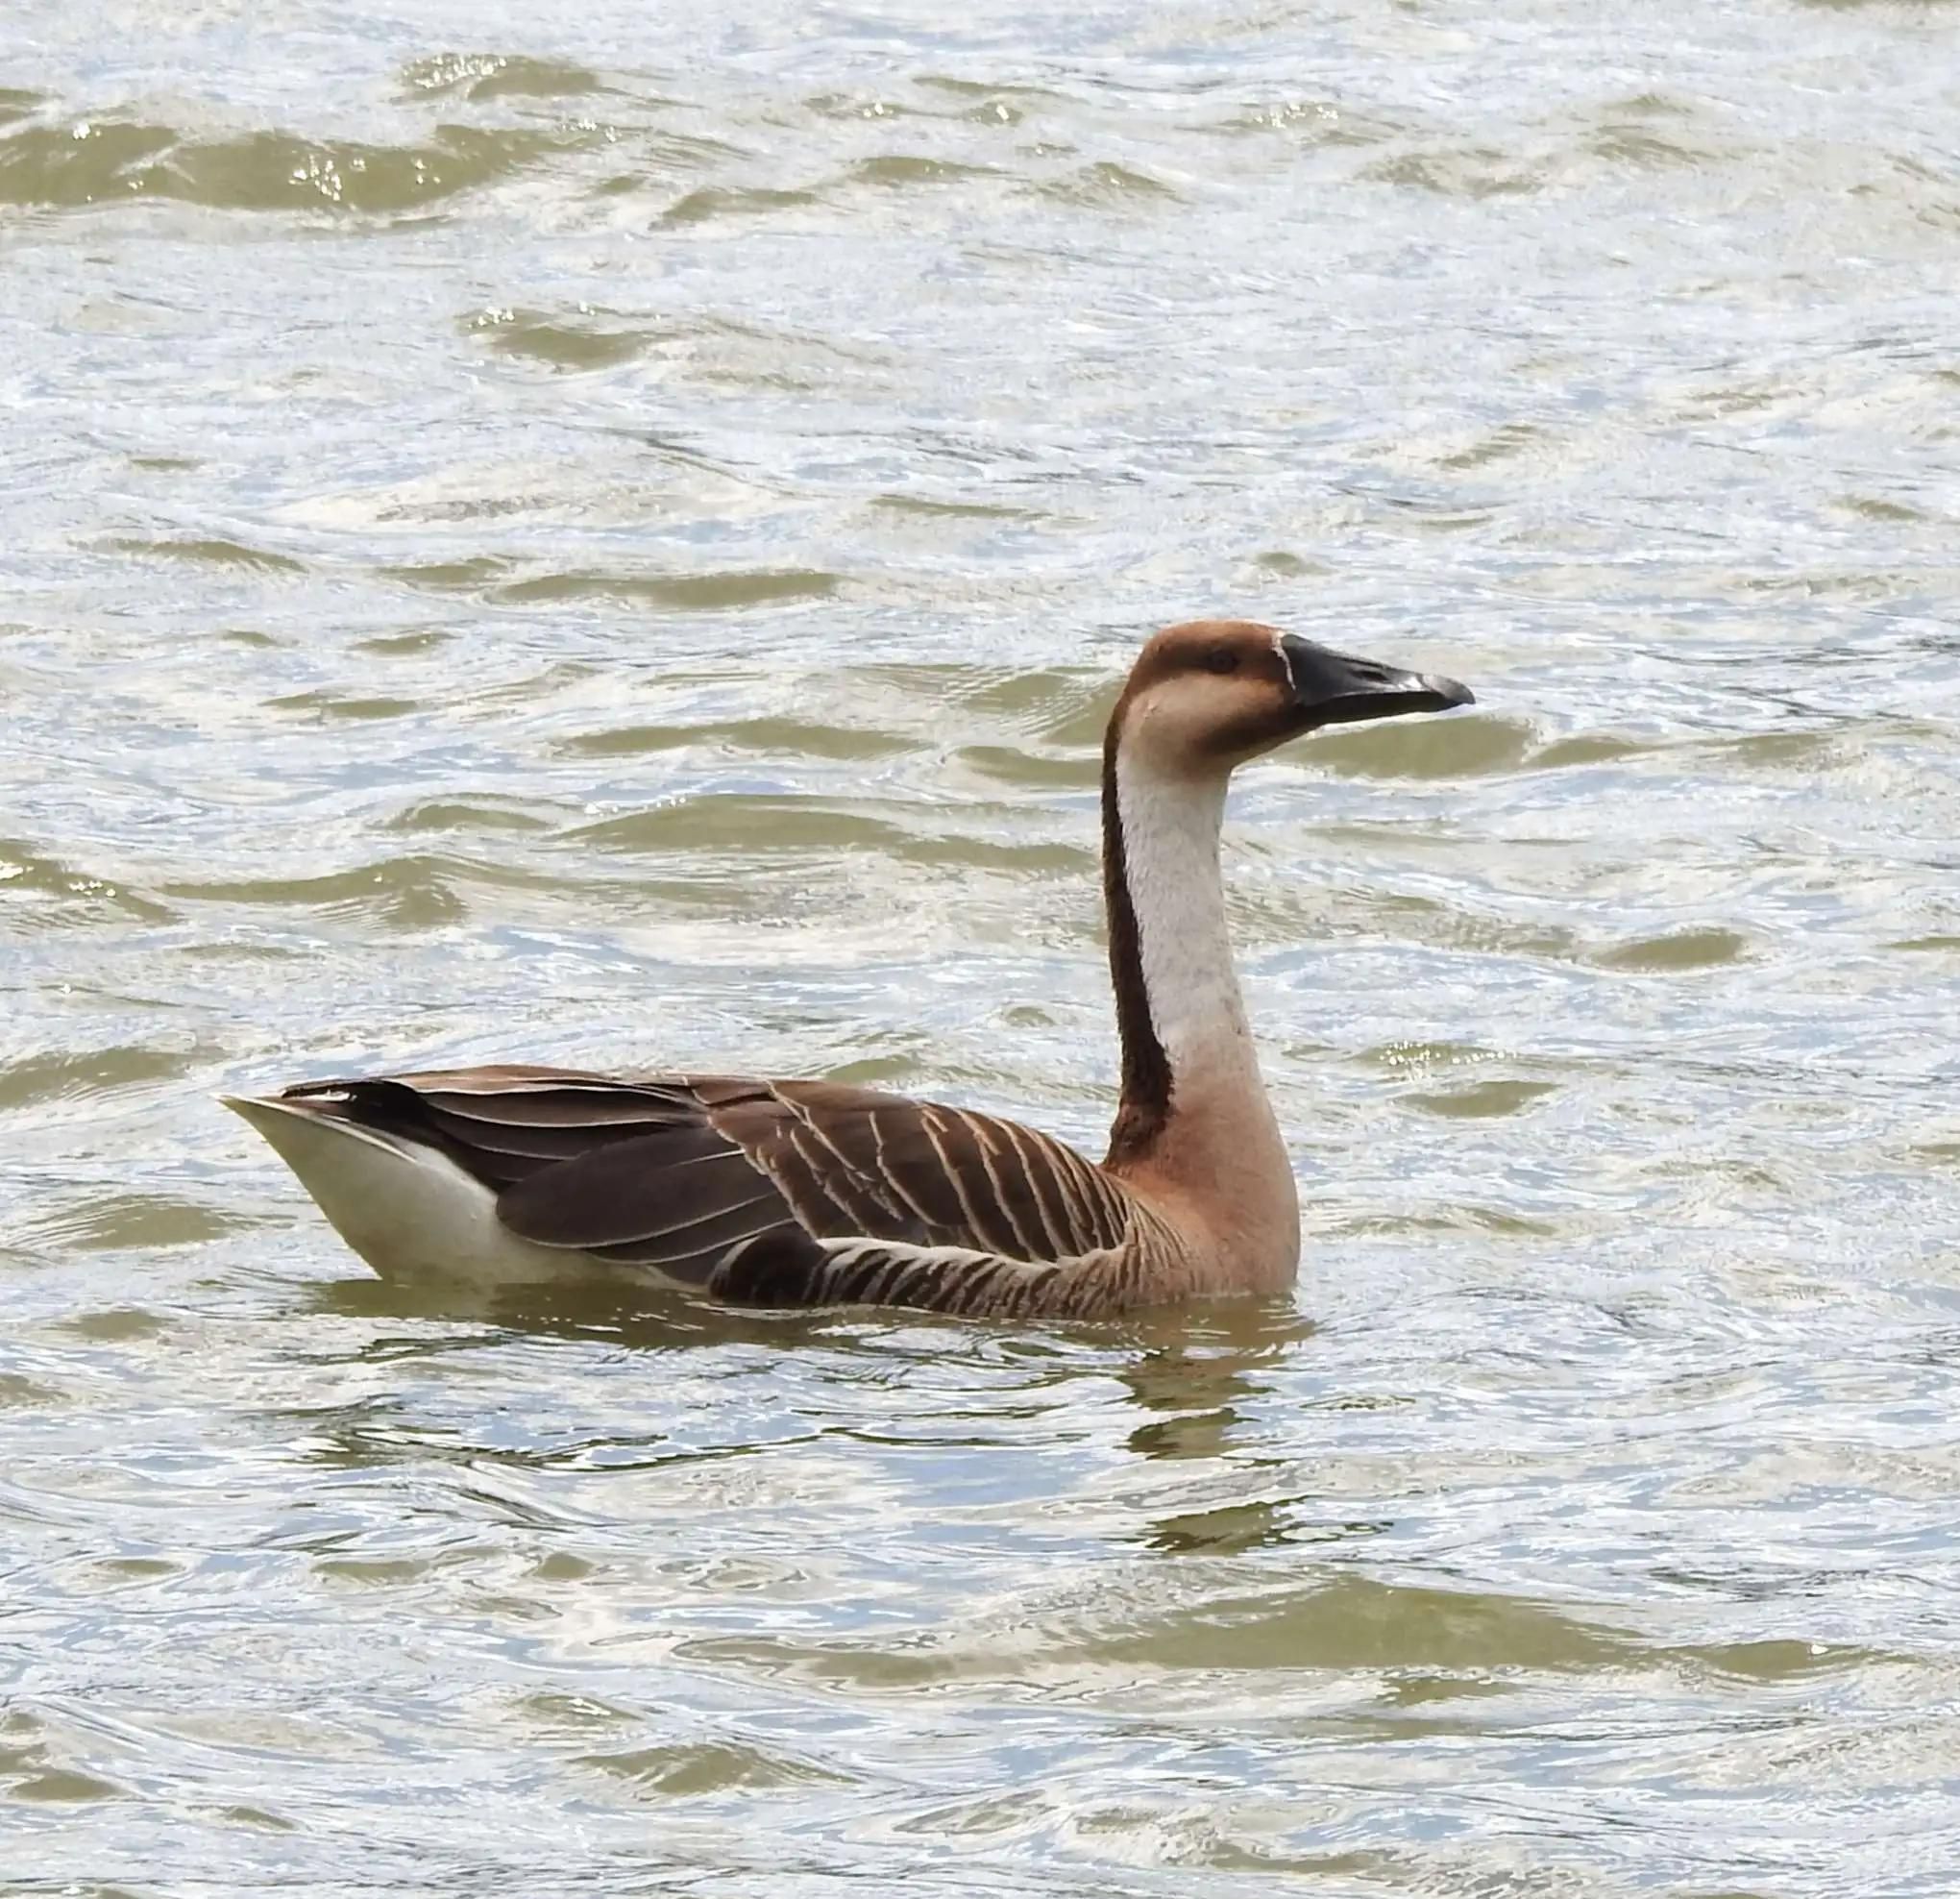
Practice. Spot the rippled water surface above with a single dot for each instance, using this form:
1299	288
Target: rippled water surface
606	534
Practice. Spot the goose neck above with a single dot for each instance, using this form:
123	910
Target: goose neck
1186	1045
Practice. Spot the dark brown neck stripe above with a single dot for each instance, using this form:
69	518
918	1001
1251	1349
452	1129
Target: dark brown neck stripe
1145	1105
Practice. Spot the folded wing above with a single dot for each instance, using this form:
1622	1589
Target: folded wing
685	1174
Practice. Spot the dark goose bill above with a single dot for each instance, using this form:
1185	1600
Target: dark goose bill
1337	689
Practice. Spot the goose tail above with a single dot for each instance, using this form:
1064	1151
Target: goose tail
402	1204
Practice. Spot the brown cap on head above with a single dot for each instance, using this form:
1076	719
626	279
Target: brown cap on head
1211	694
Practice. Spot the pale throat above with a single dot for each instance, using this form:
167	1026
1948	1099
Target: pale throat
1171	824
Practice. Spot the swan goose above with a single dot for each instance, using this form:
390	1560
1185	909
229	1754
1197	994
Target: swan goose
816	1192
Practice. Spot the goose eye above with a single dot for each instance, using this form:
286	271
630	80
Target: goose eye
1221	660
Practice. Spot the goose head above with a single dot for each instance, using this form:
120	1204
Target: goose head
1207	696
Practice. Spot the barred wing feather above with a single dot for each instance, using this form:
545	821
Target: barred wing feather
679	1172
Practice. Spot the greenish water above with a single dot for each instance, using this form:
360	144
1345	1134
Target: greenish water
590	535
